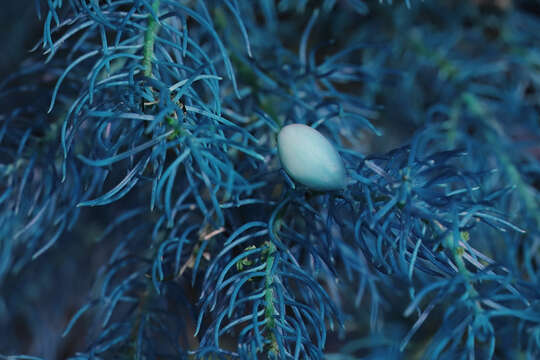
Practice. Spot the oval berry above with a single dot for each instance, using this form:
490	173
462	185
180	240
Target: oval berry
310	159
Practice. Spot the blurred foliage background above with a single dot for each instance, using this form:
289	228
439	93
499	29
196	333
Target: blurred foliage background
470	67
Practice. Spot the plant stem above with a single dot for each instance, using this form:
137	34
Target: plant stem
270	310
150	39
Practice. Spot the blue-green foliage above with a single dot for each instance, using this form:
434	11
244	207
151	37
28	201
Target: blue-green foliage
147	136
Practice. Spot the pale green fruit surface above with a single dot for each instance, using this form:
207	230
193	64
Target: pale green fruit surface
310	159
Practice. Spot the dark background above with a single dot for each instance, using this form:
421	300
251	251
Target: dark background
22	30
